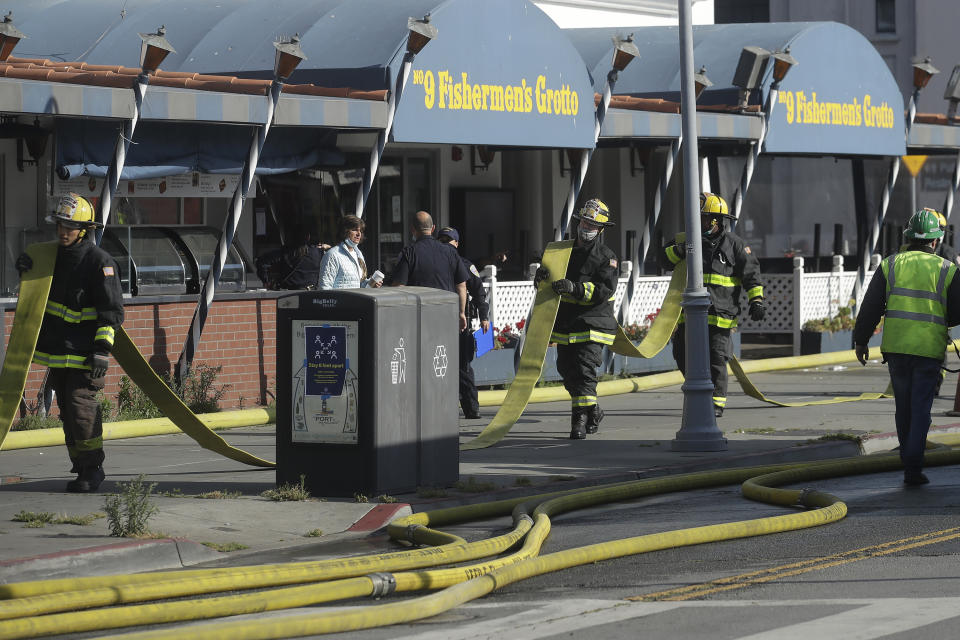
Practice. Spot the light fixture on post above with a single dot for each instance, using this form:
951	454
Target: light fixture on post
782	63
485	155
419	34
153	49
9	36
624	51
750	68
701	81
922	72
952	93
288	56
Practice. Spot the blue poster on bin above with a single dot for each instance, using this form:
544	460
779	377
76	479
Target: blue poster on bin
326	360
484	340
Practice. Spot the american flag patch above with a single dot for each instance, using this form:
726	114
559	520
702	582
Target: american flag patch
613	263
107	271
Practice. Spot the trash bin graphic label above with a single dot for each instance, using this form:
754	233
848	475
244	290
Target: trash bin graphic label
324	385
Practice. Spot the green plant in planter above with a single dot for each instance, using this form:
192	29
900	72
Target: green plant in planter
843	320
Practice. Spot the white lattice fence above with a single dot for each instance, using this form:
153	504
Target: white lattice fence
820	296
778	295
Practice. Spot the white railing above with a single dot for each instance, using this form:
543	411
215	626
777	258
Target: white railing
791	298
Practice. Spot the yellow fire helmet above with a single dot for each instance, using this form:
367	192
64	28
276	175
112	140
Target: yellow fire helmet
712	204
595	211
75	212
940	217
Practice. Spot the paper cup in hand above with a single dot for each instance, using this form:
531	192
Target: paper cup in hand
377	276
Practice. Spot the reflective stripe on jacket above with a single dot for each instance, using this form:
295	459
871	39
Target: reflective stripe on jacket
915	319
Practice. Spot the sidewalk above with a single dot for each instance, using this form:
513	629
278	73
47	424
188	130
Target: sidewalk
536	457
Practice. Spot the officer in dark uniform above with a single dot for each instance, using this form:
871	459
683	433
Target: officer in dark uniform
476	307
729	266
585	319
428	263
84	310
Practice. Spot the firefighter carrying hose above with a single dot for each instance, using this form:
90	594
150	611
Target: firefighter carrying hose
585	319
729	267
84	309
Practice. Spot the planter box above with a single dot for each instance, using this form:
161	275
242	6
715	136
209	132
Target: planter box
827	341
496	367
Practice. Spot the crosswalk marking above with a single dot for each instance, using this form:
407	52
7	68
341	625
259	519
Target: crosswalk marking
867	618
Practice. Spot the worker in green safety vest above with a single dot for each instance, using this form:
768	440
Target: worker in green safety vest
918	294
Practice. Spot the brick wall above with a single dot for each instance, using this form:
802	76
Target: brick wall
239	335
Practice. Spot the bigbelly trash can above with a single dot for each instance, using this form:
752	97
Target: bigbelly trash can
367	390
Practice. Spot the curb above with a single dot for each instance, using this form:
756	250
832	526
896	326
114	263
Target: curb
877	442
380	516
122	557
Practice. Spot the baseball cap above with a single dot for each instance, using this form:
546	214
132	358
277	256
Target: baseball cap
450	232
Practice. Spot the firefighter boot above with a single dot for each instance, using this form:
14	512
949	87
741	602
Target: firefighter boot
88	480
594	417
578	423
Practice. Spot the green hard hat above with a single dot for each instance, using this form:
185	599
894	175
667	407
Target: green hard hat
923	225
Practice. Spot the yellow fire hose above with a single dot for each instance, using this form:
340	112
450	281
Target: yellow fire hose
493	574
825	509
34	290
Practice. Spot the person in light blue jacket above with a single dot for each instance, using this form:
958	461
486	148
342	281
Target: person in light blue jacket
343	266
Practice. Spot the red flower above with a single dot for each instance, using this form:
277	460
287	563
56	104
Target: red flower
520	323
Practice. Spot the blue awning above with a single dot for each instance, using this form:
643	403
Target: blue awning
840	99
85	147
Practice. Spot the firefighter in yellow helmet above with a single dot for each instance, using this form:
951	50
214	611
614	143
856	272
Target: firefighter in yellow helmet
585	319
729	268
945	250
917	293
84	310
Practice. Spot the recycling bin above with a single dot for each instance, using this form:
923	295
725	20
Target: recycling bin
367	390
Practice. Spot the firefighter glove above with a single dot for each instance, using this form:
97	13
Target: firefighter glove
568	287
542	274
98	364
757	310
24	263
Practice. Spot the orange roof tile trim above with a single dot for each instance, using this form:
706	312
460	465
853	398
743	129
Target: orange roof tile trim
666	106
124	77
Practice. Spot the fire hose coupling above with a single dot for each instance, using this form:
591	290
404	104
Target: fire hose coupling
526	518
412	531
383	584
804	495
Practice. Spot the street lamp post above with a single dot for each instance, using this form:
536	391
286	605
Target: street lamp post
698	429
419	34
624	51
154	48
288	56
922	72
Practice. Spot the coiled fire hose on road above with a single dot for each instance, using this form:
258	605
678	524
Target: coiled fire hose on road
29	610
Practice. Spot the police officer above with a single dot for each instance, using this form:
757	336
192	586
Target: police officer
918	294
477	307
729	267
84	310
585	319
428	263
